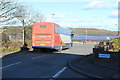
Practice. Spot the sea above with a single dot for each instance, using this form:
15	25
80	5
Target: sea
80	37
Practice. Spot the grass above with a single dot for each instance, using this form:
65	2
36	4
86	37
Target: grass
10	50
4	50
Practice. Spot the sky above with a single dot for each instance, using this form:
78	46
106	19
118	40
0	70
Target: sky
101	14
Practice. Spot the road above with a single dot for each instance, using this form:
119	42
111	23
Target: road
50	64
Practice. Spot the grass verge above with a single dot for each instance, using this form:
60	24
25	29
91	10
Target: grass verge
10	50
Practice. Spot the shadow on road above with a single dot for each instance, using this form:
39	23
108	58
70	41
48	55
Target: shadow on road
20	53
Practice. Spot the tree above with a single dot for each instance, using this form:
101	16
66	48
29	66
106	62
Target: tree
33	17
9	10
5	39
116	43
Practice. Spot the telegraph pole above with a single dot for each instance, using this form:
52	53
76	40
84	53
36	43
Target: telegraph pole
86	34
118	30
24	45
23	33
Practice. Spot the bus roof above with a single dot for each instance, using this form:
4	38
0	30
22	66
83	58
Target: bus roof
46	22
51	23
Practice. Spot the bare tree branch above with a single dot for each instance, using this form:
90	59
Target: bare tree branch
33	17
10	10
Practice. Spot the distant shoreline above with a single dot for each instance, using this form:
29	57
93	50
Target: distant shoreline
83	37
93	32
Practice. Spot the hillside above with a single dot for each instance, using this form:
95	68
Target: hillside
12	30
92	31
77	31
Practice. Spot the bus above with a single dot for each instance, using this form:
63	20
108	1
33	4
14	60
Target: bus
47	35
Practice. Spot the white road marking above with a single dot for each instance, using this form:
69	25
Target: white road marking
39	56
10	65
58	73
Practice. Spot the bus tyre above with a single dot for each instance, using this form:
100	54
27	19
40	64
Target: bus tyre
60	48
69	47
42	50
36	50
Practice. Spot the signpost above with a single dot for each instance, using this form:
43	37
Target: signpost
104	55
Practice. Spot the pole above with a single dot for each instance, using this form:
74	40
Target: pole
24	46
86	35
23	34
118	34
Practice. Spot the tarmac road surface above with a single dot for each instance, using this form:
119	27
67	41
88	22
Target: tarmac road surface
50	64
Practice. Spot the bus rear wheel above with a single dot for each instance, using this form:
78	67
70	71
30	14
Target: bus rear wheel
36	50
60	48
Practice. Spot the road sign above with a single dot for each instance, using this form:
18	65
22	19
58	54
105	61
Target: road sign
104	55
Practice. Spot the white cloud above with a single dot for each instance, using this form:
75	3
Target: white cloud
58	15
70	20
53	20
109	24
49	20
115	13
101	4
94	4
50	0
62	0
75	20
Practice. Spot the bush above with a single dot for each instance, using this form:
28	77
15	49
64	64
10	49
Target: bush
116	43
5	40
15	44
16	41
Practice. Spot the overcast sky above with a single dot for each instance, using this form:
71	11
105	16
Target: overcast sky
102	14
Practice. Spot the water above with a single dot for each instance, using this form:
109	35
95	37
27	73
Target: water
79	37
